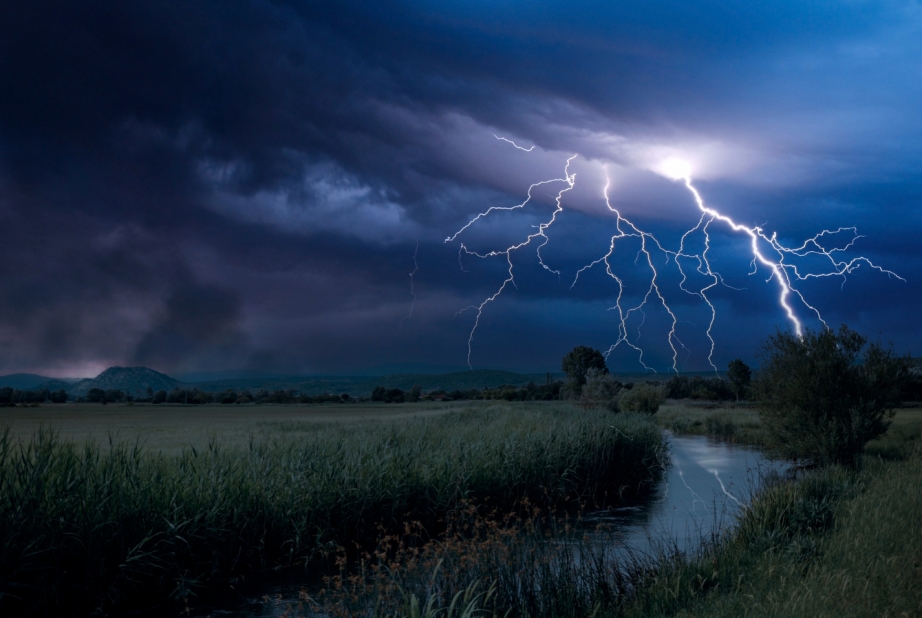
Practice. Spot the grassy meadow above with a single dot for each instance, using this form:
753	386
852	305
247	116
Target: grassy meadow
104	509
170	428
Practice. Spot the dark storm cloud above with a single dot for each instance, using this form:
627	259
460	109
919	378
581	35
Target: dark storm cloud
245	183
199	328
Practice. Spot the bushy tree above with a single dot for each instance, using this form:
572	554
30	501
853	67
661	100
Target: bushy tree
577	362
600	391
646	398
824	395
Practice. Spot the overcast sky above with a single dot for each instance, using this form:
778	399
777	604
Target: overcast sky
220	186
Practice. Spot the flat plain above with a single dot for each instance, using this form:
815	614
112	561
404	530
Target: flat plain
171	428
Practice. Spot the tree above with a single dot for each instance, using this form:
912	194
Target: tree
601	390
577	362
740	376
824	395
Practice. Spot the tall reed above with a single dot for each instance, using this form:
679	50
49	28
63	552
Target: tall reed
93	527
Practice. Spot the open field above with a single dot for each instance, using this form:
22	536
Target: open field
171	428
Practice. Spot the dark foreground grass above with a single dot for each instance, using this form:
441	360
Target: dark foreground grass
102	528
835	542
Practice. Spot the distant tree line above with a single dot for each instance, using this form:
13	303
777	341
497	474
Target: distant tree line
504	392
230	396
11	396
588	382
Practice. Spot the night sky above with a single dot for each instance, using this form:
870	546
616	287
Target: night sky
230	186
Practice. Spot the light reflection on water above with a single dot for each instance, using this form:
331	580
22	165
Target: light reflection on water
706	486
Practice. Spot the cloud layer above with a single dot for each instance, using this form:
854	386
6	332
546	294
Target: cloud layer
243	185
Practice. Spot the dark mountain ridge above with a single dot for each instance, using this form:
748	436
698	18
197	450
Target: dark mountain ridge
27	381
131	380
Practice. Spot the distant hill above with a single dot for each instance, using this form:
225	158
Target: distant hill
51	385
132	380
23	381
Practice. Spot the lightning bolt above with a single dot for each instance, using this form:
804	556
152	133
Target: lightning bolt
503	139
783	273
629	230
569	181
766	249
412	291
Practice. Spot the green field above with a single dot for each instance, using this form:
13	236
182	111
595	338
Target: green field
171	428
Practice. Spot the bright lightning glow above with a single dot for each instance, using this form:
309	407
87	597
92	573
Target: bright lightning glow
766	252
674	168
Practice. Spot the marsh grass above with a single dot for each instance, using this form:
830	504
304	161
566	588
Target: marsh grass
834	542
726	422
97	527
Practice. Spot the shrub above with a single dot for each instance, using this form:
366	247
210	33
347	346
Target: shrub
646	398
601	390
824	395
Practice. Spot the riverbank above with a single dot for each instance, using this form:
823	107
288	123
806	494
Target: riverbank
834	542
108	527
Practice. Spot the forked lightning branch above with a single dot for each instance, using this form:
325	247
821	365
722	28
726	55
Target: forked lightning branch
766	250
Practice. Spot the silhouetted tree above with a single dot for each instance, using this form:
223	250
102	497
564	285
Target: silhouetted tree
824	395
740	376
577	362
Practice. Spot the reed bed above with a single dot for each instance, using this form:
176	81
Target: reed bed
725	422
834	542
95	528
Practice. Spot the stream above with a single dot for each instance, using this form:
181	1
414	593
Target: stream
706	486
